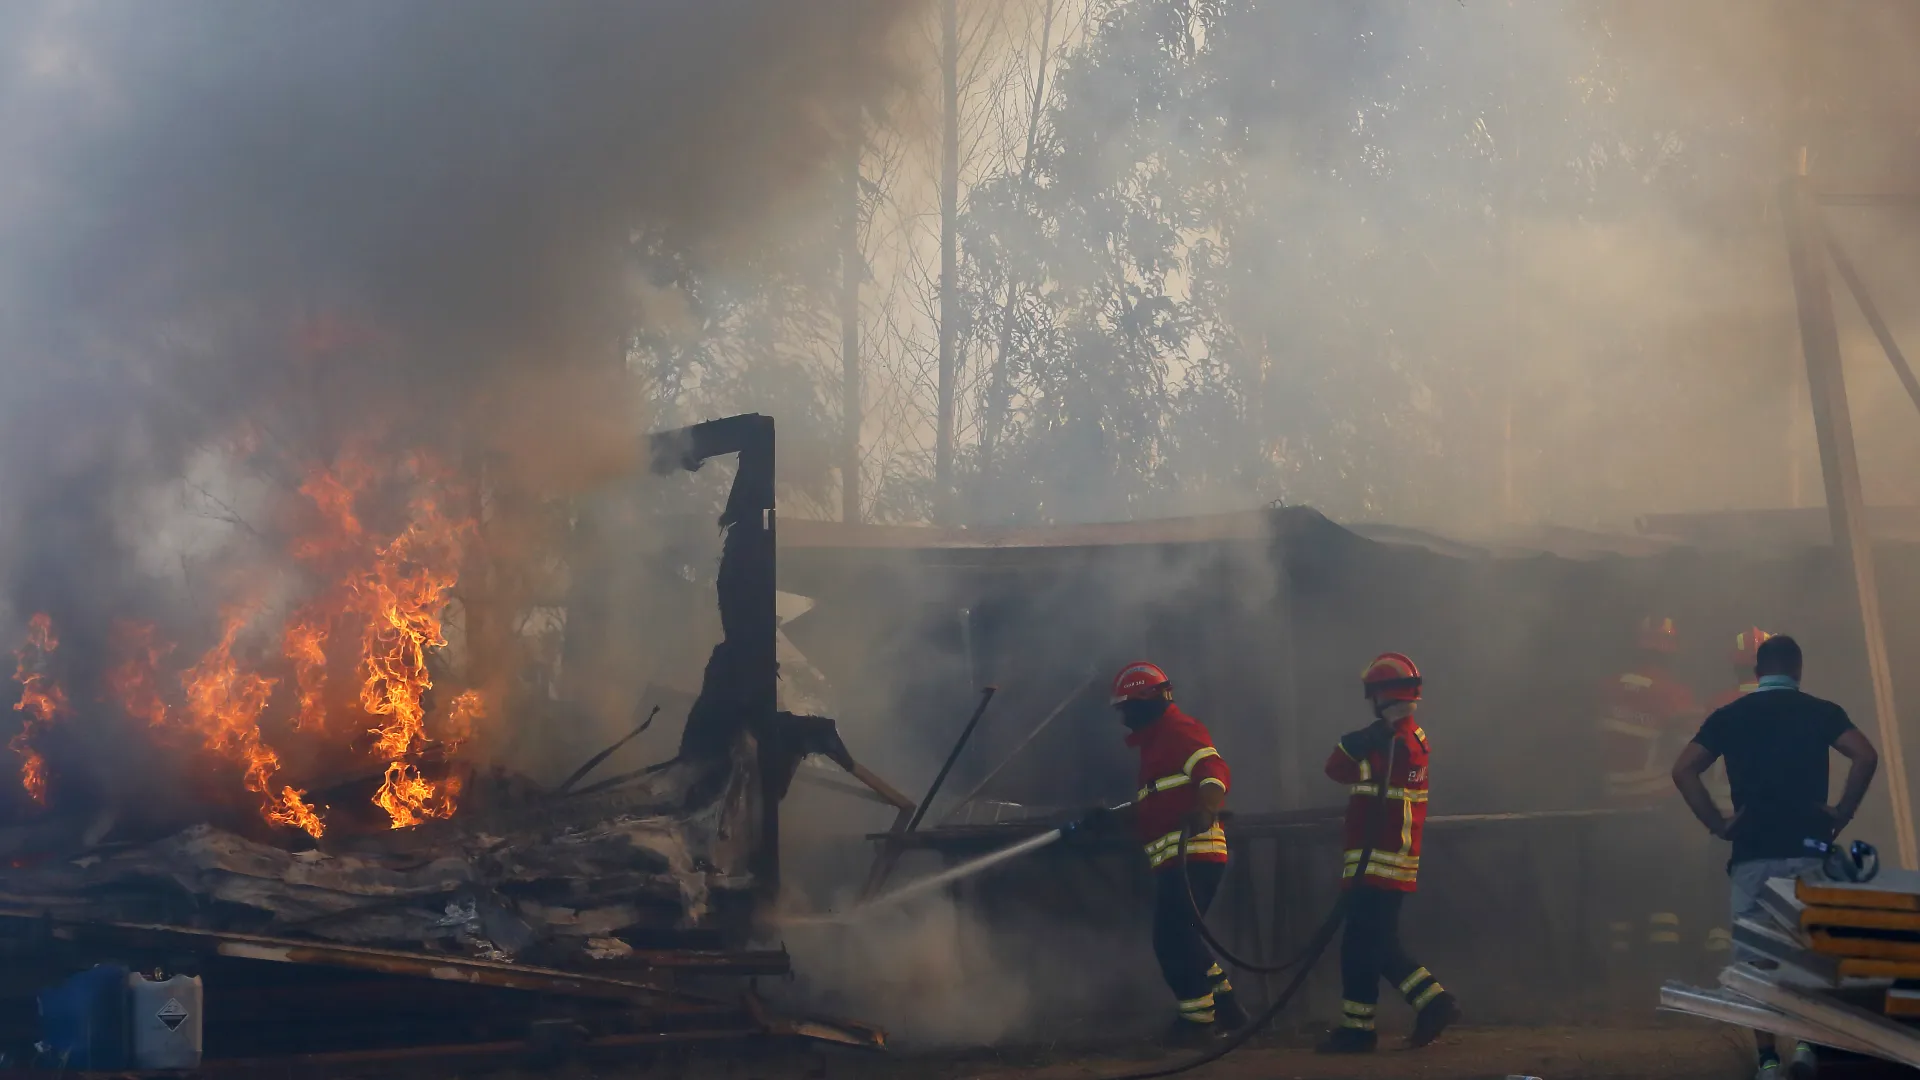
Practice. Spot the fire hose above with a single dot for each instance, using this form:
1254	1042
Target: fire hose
1309	955
1302	964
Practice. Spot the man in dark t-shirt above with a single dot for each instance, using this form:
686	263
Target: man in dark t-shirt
1775	742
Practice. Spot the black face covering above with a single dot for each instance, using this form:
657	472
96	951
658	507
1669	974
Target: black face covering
1138	714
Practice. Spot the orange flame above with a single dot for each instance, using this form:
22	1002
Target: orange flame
40	698
410	798
306	645
466	710
397	591
225	702
382	582
133	681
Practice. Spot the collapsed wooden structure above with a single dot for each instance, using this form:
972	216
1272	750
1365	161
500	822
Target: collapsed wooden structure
610	914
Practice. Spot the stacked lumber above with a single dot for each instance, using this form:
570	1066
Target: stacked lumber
1831	963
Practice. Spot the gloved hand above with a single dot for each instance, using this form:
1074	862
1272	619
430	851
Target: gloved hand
1200	821
1097	820
1367	740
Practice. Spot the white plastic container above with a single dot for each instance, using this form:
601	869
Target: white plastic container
166	1018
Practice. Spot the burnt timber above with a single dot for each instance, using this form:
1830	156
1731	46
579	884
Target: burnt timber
606	917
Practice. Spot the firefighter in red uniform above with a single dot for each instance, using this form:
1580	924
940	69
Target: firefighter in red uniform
1182	788
1646	716
1385	768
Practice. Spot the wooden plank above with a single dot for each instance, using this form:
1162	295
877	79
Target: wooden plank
1891	890
1905	922
1840	469
1902	1002
1827	944
1858	968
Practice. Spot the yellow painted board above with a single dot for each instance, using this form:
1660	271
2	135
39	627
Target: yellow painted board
1866	918
1864	948
1890	890
1858	968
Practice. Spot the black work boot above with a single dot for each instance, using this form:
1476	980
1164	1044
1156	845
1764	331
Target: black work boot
1187	1034
1346	1040
1433	1018
1227	1013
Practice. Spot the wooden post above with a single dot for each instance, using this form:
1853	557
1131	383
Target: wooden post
1875	322
1840	469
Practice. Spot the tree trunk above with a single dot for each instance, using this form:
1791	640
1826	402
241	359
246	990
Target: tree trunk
850	268
949	252
994	422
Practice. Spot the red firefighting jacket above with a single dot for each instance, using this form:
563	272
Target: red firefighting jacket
1176	757
1645	718
1395	823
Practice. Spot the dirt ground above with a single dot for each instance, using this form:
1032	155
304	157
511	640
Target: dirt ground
1681	1051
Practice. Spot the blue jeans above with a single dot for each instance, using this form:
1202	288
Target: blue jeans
1749	880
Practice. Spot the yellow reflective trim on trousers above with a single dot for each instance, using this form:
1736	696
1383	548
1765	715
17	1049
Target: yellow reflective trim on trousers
1198	1004
1628	727
1356	1008
1426	996
1663	928
1419	975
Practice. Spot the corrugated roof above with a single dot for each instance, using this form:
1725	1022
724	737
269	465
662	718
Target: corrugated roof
1243	525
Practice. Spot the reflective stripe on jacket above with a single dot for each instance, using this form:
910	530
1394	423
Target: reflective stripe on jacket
1395	823
1177	756
1645	718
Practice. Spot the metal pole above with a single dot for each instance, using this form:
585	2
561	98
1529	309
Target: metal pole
1871	311
940	778
995	772
890	851
1840	468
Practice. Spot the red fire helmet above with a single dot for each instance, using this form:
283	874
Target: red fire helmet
1746	646
1391	677
1658	635
1140	681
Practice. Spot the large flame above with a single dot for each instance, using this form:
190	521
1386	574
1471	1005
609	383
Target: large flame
41	699
397	590
379	588
224	703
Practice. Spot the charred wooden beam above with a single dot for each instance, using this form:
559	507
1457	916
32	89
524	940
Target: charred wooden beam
442	967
